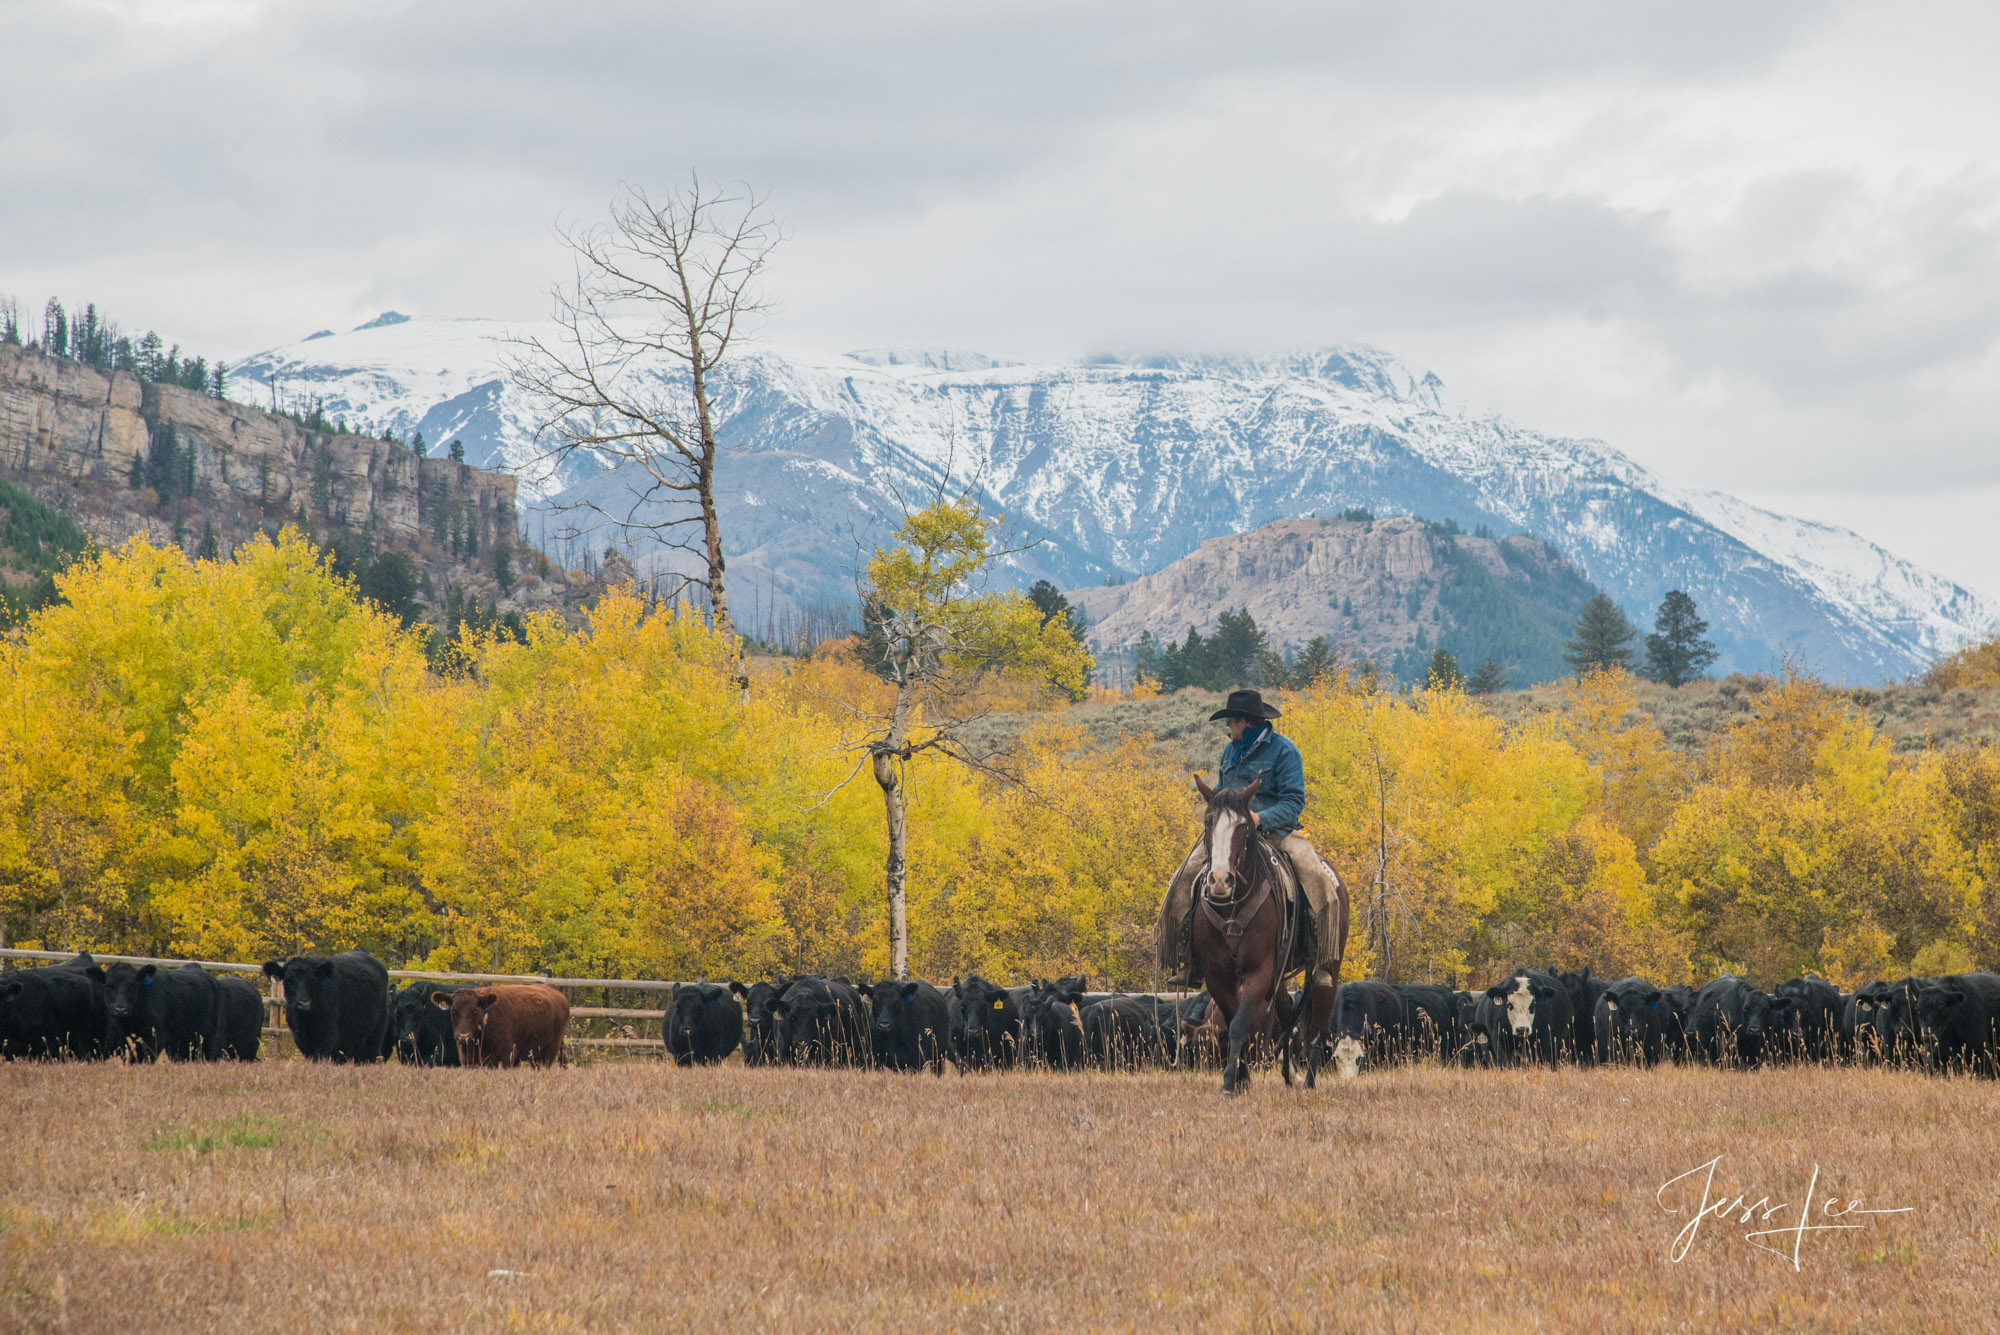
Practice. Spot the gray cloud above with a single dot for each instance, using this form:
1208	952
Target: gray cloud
1621	220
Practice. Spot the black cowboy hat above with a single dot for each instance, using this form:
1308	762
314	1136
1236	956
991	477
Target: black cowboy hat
1245	704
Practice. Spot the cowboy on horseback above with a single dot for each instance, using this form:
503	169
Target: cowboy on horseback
1256	750
1253	903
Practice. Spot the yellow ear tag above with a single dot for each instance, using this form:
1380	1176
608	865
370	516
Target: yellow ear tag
999	1005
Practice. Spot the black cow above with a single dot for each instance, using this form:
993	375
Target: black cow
704	1024
1863	1034
1898	1037
1533	1009
419	1032
239	1029
1583	993
1735	1021
54	1013
336	1007
1369	1026
1122	1033
1465	1011
1629	1022
1431	1013
910	1026
173	1011
760	1033
1052	1024
1677	1021
1166	1017
992	1021
1959	1019
1813	1031
819	1022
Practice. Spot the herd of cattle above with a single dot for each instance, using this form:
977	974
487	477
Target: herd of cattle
342	1008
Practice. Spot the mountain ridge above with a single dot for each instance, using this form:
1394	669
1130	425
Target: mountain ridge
1123	465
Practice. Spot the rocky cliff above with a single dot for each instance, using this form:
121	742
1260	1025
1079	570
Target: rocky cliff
1388	591
65	423
86	442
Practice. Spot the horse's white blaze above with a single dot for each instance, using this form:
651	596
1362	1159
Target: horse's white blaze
1220	840
1347	1056
1521	1007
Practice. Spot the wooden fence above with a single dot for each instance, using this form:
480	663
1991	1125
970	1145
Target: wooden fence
276	1000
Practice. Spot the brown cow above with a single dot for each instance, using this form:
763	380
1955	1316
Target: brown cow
505	1026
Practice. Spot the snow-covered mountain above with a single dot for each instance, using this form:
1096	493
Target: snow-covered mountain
1124	465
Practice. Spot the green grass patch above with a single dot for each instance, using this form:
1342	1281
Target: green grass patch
238	1133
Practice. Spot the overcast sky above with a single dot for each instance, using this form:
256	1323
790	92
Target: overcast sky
1751	244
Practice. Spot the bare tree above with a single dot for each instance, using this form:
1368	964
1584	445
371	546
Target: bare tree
663	283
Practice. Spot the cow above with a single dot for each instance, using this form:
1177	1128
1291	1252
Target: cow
1958	1017
1465	1012
1166	1017
1052	1024
155	1011
1735	1020
1897	1035
704	1024
760	1035
506	1025
1534	1009
1863	1036
1431	1012
1369	1026
1122	1033
1583	993
992	1017
1202	1034
1629	1022
54	1013
418	1032
910	1026
337	1007
1812	1030
1677	1022
819	1022
239	1029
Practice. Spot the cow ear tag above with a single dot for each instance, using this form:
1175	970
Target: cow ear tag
999	1005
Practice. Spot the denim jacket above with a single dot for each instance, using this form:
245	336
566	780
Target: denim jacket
1282	796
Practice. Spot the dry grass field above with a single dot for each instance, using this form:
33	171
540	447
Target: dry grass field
633	1196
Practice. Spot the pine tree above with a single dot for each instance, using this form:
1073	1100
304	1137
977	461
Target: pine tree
1146	658
1676	653
1603	637
417	442
458	451
1444	673
1489	679
1236	651
1319	661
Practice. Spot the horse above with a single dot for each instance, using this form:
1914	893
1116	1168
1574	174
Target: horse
1249	935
